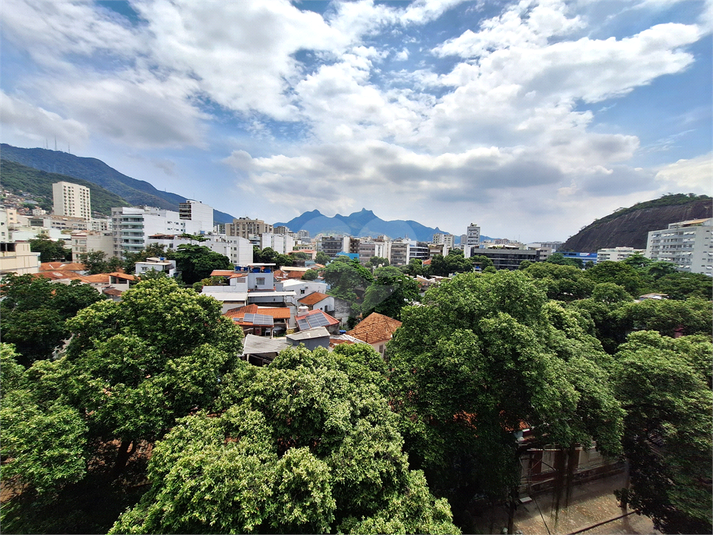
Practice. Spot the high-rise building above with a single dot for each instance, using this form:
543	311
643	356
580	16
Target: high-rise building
199	212
472	240
71	200
449	240
687	244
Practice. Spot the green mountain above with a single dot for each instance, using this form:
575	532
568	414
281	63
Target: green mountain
629	227
136	192
20	178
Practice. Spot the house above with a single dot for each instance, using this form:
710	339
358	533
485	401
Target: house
281	317
311	338
156	264
317	318
318	301
376	330
121	281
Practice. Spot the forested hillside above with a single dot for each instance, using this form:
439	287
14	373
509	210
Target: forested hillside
17	177
629	227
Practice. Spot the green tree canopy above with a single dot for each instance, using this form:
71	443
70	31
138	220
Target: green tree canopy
50	251
619	273
347	279
310	275
97	262
389	293
322	258
561	282
377	261
483	355
308	444
33	311
664	386
453	262
197	262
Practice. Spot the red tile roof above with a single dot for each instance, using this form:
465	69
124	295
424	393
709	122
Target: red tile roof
61	266
313	298
330	319
58	275
278	313
375	328
222	273
123	276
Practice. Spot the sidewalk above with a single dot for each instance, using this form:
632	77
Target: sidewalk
590	503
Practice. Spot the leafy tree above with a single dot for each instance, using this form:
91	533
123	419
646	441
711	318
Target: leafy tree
666	394
481	261
619	273
322	258
347	279
197	262
668	317
415	267
95	262
33	311
310	275
682	285
453	262
389	293
377	261
50	251
559	259
561	282
458	359
153	250
308	444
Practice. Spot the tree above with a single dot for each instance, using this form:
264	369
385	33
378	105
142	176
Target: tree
347	279
389	293
322	258
561	282
681	285
559	259
308	444
33	311
197	262
310	275
619	273
377	261
414	267
458	359
50	251
481	261
665	391
94	262
668	317
153	250
453	262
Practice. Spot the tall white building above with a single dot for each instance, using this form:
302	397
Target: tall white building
687	244
449	240
198	212
72	200
472	240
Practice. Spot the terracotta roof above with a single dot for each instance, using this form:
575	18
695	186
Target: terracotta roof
295	274
375	328
61	266
100	278
222	273
58	275
124	276
278	313
313	298
112	291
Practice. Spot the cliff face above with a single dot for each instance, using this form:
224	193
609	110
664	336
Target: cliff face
630	227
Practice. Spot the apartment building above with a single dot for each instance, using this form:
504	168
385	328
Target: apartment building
616	254
238	250
197	211
245	227
399	253
687	244
472	240
71	200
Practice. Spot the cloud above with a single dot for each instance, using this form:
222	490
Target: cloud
31	122
692	175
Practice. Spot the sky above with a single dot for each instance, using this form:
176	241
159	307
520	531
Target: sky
530	119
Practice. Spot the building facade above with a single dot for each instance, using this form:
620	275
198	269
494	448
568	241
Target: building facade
198	212
72	200
687	244
616	254
245	227
472	240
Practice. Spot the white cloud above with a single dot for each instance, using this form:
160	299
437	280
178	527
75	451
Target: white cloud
26	121
694	175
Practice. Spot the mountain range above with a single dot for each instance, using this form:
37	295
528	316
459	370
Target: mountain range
359	224
135	192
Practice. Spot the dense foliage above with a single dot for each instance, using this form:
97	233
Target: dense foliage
50	251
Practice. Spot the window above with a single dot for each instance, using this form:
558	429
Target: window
260	281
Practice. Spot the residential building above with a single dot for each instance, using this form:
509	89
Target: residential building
686	243
318	301
418	250
303	235
72	200
331	245
449	240
197	212
60	222
89	241
156	264
238	250
472	240
508	258
245	227
132	226
376	330
281	229
616	254
281	243
18	258
399	253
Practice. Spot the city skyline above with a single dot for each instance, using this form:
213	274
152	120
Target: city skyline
529	119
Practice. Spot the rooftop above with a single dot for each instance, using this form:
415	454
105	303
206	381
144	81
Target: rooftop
375	328
313	298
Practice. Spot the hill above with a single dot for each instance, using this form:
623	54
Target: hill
135	192
20	178
358	224
629	227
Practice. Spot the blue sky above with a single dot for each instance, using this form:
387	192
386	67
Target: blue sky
528	118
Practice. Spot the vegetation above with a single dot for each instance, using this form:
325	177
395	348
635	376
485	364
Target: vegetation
269	256
19	178
97	262
50	251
